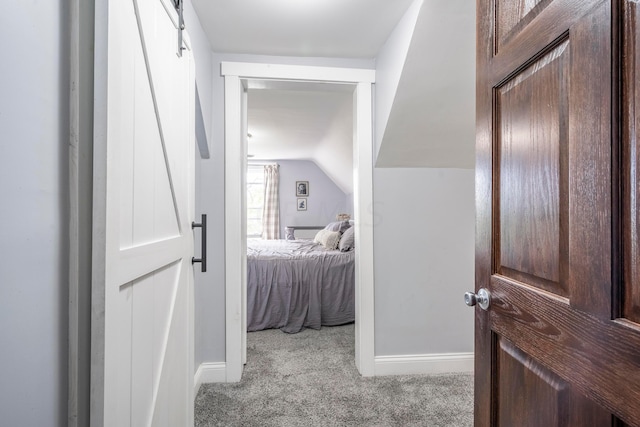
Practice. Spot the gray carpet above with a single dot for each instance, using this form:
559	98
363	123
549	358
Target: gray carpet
310	379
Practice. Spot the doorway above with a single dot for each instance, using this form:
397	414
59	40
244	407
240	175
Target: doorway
235	165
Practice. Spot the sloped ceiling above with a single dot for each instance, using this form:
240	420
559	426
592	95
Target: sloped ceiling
432	119
289	120
390	63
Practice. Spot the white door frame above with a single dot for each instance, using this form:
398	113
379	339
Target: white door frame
235	230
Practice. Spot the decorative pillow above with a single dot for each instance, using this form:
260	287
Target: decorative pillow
340	226
327	238
347	241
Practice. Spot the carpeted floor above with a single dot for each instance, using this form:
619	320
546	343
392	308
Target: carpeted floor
310	379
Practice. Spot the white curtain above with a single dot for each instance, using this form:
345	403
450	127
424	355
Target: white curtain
271	210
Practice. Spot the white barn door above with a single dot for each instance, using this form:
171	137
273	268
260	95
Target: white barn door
142	330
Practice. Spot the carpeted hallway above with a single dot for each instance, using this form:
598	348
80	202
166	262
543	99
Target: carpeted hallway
310	379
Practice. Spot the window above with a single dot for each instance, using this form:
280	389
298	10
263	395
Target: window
255	200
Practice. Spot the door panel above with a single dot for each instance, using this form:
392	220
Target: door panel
599	358
532	110
145	307
513	15
631	164
556	241
151	201
525	386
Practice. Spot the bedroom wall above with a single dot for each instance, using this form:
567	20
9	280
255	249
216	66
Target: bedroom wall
34	272
424	260
210	302
325	199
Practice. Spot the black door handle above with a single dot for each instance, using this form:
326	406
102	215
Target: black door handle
203	260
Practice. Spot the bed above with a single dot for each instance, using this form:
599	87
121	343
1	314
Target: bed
296	284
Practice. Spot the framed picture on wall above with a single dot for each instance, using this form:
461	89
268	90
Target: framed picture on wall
302	204
302	188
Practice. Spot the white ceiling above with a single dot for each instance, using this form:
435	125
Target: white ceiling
320	28
291	120
297	120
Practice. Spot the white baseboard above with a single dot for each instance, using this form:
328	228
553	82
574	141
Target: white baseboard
209	373
423	364
384	365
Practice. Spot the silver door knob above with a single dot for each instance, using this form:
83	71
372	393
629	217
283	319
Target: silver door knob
482	298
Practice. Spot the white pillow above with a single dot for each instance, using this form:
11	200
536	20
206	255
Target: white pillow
327	238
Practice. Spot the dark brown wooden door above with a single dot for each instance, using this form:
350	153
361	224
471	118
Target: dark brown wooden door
558	219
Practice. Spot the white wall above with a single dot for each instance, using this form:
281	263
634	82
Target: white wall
424	218
34	230
424	260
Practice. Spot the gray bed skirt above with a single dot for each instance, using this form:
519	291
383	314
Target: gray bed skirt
298	284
